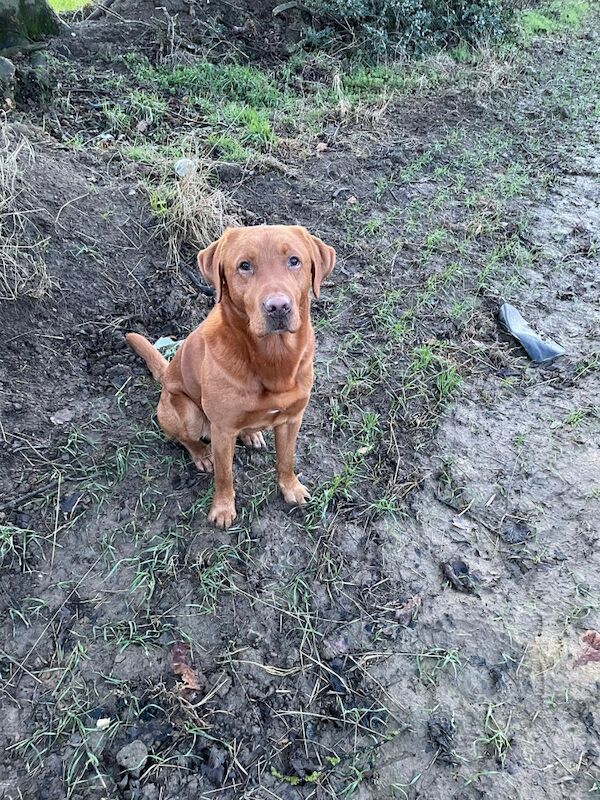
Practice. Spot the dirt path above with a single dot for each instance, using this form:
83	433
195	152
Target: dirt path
333	657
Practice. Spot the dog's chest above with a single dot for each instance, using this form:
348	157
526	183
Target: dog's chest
276	409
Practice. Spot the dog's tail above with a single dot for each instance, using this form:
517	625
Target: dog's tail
157	364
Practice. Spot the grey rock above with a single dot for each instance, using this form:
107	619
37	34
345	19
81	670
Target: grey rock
133	756
7	70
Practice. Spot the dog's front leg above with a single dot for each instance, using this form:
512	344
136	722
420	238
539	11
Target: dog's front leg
285	445
222	510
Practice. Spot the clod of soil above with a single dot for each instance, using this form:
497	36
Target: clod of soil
441	730
133	757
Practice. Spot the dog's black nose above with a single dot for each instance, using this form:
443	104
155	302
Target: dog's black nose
277	305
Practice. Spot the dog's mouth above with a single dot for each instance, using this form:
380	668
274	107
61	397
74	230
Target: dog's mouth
278	327
275	327
277	330
280	323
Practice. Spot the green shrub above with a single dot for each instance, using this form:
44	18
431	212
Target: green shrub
381	27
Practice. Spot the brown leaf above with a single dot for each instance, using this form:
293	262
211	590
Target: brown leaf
181	664
406	613
591	648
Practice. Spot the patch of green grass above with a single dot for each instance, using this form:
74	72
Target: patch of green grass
462	53
158	561
116	118
68	6
228	148
222	81
371	227
160	198
152	154
76	142
576	417
431	663
553	17
30	609
371	83
496	735
448	382
213	573
147	107
428	360
131	632
534	22
19	545
461	311
253	124
586	603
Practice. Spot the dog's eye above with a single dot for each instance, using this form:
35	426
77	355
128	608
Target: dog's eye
293	261
245	266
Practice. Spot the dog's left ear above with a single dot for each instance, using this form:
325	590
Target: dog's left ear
323	261
210	267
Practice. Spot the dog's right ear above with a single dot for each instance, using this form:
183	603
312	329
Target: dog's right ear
210	267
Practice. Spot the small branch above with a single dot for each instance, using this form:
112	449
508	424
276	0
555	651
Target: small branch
100	10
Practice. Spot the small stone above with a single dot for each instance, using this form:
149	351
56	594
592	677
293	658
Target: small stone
7	70
133	756
62	416
184	167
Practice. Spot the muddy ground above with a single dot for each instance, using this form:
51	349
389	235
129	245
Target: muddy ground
417	630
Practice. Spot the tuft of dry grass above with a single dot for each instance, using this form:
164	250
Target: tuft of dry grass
494	71
22	268
189	211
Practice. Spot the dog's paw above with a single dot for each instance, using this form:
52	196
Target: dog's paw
204	462
254	440
294	493
222	513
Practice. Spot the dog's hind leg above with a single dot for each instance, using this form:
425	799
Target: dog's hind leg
181	419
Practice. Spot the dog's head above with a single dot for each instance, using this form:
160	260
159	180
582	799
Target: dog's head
266	272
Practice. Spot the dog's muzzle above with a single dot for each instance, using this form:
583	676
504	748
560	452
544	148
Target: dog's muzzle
277	309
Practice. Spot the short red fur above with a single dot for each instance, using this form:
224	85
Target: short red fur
249	366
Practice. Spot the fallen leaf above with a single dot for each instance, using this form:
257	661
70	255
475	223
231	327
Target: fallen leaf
181	664
406	613
591	648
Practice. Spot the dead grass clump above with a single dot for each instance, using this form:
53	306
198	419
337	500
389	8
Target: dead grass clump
493	71
22	268
189	210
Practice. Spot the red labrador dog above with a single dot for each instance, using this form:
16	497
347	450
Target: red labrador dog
249	366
